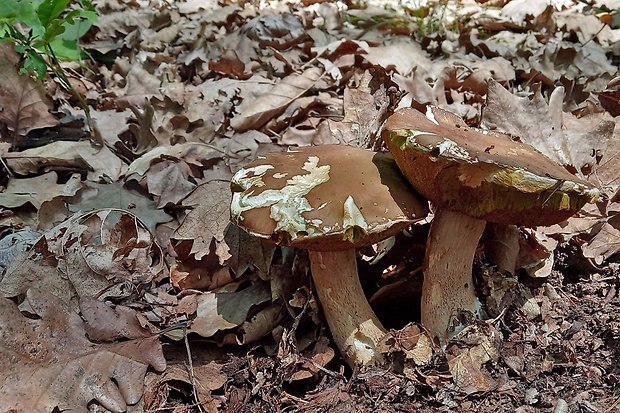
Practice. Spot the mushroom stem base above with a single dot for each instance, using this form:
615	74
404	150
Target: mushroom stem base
448	299
354	326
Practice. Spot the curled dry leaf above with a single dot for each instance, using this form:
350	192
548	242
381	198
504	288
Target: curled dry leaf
413	343
544	126
38	189
86	255
473	347
98	162
223	310
48	363
208	377
272	103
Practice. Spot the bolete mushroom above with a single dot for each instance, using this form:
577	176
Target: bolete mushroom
472	176
329	199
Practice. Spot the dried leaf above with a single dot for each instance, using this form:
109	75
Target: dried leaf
274	102
25	105
14	244
48	363
544	126
477	344
169	182
247	251
84	256
103	196
208	219
606	243
225	310
98	162
38	189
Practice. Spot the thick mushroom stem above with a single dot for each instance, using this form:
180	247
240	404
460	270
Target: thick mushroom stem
448	291
353	324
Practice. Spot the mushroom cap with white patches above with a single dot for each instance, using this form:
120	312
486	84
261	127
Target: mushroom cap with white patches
482	173
333	197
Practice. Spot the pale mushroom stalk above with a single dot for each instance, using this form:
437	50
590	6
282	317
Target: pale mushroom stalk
448	288
354	326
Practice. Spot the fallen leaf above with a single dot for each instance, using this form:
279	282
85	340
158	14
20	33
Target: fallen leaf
106	323
99	162
472	348
38	189
224	310
546	127
272	103
25	105
404	57
68	262
168	182
192	153
15	243
103	196
141	87
247	251
605	243
536	253
206	222
48	363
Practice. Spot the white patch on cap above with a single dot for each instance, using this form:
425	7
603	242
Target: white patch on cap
430	115
453	150
287	204
353	219
411	138
244	181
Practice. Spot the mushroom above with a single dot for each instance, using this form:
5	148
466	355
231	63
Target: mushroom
472	176
329	199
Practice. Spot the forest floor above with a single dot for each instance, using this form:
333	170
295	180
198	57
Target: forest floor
125	288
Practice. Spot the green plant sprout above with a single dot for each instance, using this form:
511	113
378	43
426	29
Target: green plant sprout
46	32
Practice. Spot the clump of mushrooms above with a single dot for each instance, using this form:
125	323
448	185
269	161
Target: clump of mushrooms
330	200
472	176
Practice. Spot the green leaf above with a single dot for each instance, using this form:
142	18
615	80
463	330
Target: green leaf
50	9
66	49
76	31
21	10
615	21
90	16
54	29
35	62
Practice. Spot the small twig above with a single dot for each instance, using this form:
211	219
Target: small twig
290	396
8	170
356	370
613	406
334	374
191	368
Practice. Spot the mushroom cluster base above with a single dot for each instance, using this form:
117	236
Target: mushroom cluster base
355	328
448	299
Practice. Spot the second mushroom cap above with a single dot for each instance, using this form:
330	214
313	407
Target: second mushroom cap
481	173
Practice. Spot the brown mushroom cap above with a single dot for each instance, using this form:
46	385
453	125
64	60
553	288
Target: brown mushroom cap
324	198
481	173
